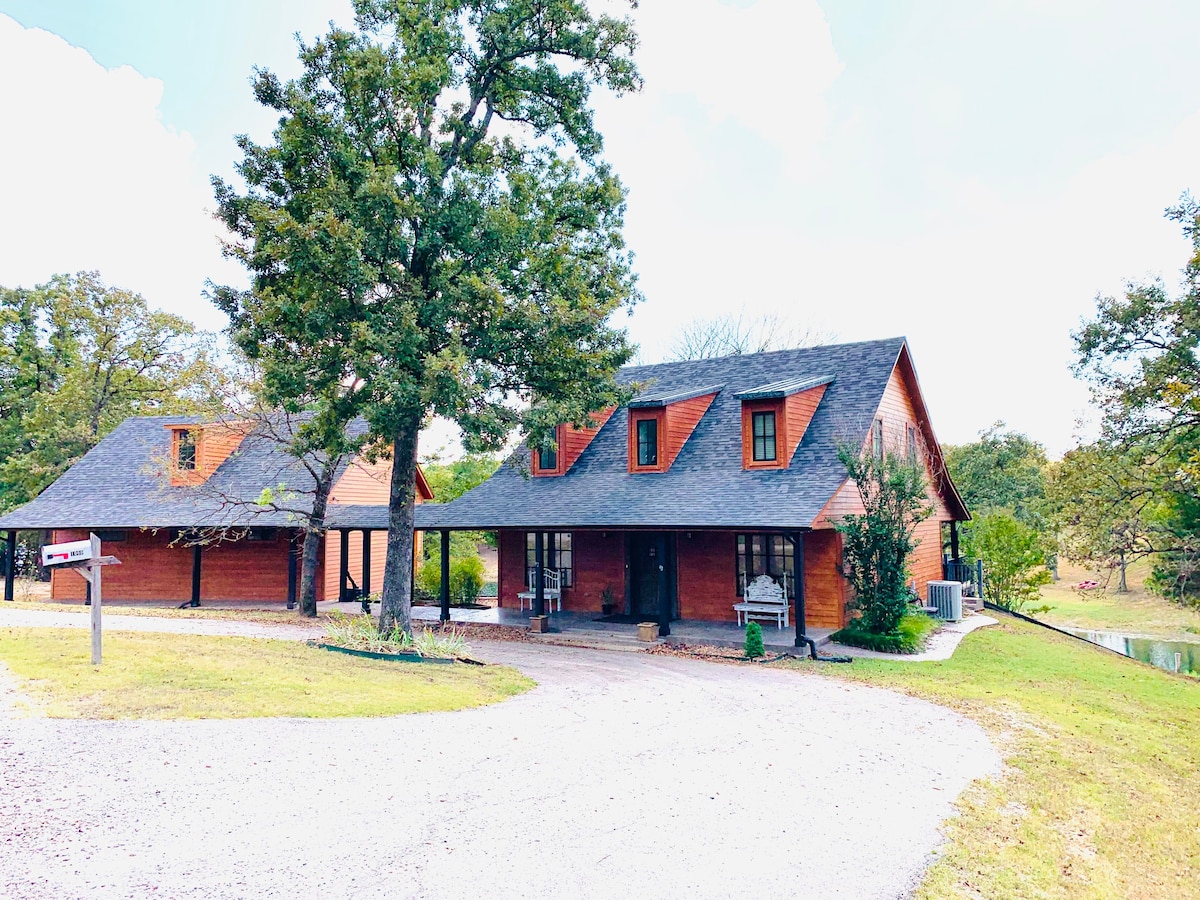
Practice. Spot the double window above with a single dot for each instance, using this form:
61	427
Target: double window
556	550
765	554
763	431
647	442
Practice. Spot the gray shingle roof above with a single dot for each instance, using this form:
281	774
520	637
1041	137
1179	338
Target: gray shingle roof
118	484
785	388
706	487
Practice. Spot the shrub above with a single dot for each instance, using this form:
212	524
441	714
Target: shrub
466	579
1013	558
877	543
911	635
754	641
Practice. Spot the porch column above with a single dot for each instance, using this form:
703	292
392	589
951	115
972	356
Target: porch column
444	588
343	565
196	551
291	571
10	564
366	564
539	574
953	541
664	594
798	588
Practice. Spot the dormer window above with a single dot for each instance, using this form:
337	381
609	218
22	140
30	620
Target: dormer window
647	442
548	458
763	426
775	417
185	450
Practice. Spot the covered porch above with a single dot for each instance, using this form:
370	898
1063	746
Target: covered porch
588	629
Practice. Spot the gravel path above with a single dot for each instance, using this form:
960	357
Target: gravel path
621	775
37	618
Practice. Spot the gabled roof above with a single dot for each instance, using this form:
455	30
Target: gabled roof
119	484
706	486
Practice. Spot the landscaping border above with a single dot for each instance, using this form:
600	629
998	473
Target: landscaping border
397	657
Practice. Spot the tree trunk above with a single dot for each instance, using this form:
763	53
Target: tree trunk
396	608
312	539
1122	586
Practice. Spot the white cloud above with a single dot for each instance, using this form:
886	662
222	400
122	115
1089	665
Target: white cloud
91	178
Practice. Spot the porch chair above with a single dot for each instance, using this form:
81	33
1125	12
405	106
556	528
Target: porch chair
764	599
551	588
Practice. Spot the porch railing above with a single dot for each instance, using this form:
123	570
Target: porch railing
968	571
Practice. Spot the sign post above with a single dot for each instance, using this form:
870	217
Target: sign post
85	558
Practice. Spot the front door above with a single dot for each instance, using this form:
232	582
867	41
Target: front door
651	576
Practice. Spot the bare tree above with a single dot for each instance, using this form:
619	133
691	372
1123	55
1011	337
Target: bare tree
299	486
738	335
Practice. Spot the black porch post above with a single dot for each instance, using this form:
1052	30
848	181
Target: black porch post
539	574
10	564
664	594
343	565
444	590
366	564
291	570
953	541
196	551
798	588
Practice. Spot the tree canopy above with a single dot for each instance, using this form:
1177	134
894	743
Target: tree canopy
432	229
77	358
1139	356
1002	470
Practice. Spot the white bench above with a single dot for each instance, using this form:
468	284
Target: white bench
764	599
551	588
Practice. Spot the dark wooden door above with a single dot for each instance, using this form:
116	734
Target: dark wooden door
652	576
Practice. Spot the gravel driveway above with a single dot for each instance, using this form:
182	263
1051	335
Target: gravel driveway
621	775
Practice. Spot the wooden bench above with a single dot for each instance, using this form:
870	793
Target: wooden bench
551	588
763	599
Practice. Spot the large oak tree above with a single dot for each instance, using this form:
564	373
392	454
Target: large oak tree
433	230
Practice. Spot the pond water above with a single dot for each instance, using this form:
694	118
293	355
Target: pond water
1150	650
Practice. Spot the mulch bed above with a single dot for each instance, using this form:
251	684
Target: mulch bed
483	631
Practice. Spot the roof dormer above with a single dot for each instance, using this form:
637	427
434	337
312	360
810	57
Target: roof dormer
661	423
197	450
556	457
775	417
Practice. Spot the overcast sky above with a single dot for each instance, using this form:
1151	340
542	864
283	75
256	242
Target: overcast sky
970	175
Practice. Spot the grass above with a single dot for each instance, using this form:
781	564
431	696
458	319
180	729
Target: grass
1137	612
1100	798
159	676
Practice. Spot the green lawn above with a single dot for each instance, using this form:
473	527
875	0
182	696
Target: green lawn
1101	798
161	676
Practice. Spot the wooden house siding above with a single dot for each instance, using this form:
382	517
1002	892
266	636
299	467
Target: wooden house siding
510	553
571	443
799	408
707	573
824	587
152	569
682	419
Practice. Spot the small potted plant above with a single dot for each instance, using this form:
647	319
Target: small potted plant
607	605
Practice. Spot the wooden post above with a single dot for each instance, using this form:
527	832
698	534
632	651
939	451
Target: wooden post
444	590
664	595
539	574
798	588
94	582
344	566
10	564
954	542
291	572
196	552
366	565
